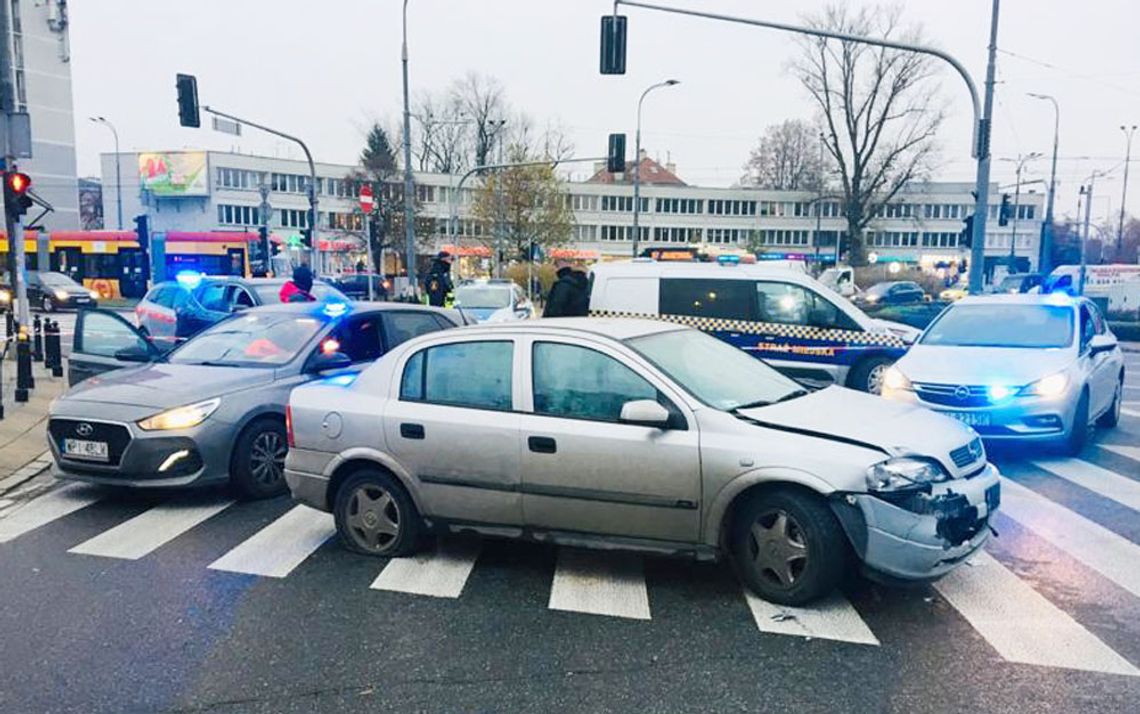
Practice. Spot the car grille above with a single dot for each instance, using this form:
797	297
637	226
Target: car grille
117	436
965	455
952	395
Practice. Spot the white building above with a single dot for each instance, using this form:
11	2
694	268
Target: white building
921	226
41	69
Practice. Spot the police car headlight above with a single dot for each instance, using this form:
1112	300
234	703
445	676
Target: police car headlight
903	473
893	378
181	417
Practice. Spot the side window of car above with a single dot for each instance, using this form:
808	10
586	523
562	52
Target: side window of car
581	383
104	335
213	297
359	338
462	374
403	325
1088	327
1098	319
788	304
163	297
725	299
242	298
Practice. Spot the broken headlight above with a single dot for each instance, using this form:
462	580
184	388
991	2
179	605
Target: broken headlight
903	473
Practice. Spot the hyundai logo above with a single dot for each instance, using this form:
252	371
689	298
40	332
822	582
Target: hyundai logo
84	429
962	393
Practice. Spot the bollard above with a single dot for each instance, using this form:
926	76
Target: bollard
24	378
37	340
9	322
53	348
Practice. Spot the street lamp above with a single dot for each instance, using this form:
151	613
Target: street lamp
637	161
1021	161
409	187
1124	192
118	175
1045	259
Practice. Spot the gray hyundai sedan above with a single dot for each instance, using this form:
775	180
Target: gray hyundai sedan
213	410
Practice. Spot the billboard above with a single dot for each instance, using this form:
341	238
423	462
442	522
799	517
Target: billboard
174	173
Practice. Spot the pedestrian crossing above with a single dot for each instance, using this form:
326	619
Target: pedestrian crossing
1019	622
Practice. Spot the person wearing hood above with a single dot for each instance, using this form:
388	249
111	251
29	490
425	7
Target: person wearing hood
569	294
300	288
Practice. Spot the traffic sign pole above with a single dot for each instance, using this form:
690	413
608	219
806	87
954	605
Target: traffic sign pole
366	204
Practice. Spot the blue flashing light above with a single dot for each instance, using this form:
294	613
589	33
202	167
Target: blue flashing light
340	380
728	259
189	279
998	392
335	309
1060	298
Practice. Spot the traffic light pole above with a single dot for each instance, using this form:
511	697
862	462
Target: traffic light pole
15	230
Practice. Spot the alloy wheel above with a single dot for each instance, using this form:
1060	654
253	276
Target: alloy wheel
267	458
373	518
875	378
778	548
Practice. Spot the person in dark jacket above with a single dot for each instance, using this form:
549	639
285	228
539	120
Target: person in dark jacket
300	288
565	299
437	284
581	306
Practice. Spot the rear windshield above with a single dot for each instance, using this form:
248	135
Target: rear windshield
270	293
1017	326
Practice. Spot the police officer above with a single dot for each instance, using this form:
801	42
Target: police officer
437	284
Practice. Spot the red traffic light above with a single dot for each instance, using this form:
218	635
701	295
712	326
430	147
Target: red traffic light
18	183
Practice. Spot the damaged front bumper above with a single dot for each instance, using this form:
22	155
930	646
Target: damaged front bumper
920	536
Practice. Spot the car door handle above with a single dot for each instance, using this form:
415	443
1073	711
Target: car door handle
542	444
412	431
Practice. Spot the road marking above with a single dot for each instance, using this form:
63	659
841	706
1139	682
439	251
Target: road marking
1131	452
439	573
832	618
149	530
1021	624
46	508
280	546
1107	483
1130	412
1111	555
606	583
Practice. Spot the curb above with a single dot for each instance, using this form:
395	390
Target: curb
26	473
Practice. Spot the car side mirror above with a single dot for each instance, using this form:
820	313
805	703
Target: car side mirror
644	412
326	361
1102	343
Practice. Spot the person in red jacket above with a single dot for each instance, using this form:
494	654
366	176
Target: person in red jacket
300	288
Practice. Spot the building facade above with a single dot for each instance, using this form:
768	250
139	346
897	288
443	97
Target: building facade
921	226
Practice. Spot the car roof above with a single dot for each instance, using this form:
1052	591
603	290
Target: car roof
643	267
1052	299
353	307
614	328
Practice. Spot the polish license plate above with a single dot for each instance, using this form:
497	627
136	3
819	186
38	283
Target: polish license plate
89	450
970	418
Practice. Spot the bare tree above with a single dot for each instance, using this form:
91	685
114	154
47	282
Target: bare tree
484	104
880	110
443	141
786	159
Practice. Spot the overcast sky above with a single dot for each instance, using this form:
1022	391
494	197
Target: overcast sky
325	70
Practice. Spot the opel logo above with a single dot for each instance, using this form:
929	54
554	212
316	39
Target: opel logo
84	429
975	449
962	393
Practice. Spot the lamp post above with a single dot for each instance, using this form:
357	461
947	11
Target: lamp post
1045	259
1021	161
637	161
1124	192
118	174
409	187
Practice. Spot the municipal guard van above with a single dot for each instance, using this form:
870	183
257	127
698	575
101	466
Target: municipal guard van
785	317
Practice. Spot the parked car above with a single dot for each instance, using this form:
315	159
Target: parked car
1025	368
893	292
957	291
493	300
355	285
620	433
1018	283
175	310
213	410
51	291
782	316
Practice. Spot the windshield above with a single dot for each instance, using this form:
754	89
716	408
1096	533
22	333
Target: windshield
252	340
1012	283
1017	326
58	280
718	374
270	293
482	296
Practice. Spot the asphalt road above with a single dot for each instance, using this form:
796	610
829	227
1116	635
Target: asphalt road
194	603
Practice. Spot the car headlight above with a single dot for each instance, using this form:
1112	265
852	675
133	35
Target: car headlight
94	294
181	417
60	294
1051	386
893	378
5	296
903	473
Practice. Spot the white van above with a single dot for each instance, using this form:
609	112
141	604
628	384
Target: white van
782	316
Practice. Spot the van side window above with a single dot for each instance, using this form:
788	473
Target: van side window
725	299
788	304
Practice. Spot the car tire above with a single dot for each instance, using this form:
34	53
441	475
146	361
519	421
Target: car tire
1078	434
867	376
257	466
788	547
375	516
47	304
1112	417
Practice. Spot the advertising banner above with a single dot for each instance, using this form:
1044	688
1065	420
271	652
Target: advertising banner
175	173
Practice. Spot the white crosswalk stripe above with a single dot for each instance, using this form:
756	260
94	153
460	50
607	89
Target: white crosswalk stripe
150	530
601	583
1021	624
1099	480
439	573
281	546
1111	555
1130	412
1132	452
831	619
46	508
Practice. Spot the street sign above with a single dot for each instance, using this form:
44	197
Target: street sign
226	126
366	200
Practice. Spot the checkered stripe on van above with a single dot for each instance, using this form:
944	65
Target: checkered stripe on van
794	332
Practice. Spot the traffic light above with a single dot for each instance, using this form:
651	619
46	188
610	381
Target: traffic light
615	156
1005	212
967	238
16	198
613	44
142	231
187	85
307	237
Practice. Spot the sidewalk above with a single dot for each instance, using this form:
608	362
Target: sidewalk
23	445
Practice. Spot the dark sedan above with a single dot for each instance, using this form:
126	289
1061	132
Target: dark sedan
355	285
895	292
51	291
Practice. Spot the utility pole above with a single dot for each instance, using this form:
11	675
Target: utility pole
982	187
1124	192
500	223
17	263
263	212
409	185
1087	192
819	208
637	162
118	173
1017	206
1045	258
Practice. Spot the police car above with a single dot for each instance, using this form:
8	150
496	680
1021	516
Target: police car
782	316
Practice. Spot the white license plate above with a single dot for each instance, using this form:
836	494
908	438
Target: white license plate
970	418
90	450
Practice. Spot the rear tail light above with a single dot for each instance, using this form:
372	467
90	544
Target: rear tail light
289	427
